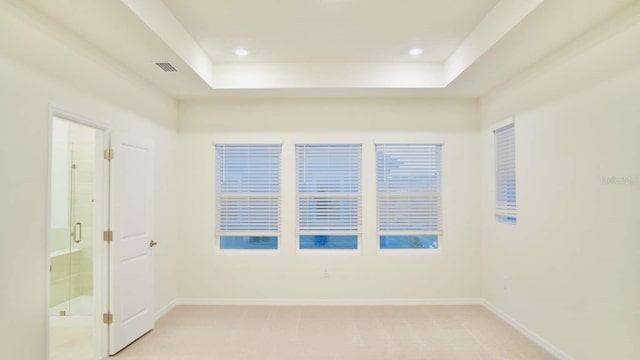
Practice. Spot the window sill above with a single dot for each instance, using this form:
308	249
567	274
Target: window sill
247	252
328	252
409	252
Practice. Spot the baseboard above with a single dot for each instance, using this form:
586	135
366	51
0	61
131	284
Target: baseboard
554	350
328	302
162	312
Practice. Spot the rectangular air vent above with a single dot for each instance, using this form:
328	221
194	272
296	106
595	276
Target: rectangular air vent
166	67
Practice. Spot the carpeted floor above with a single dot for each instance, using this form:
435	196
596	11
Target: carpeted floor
332	332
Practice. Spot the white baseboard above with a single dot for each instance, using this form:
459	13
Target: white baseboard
162	312
554	350
328	302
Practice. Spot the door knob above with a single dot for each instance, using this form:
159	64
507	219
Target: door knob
152	243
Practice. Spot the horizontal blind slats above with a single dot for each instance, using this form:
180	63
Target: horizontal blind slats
505	171
248	188
409	187
328	188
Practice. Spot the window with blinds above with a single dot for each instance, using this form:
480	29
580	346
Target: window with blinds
328	196
409	198
505	150
248	196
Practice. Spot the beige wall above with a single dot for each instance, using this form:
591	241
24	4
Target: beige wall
453	273
570	269
100	92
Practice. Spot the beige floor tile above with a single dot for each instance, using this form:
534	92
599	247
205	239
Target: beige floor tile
71	344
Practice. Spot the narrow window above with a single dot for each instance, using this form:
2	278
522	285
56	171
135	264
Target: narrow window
248	196
505	150
328	196
409	197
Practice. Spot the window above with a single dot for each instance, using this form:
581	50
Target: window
505	149
409	178
248	196
328	196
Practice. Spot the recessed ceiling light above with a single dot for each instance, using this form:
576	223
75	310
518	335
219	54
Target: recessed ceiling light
416	52
241	52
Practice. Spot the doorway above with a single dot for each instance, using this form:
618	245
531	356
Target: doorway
77	256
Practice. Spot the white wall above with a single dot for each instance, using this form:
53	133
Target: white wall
451	274
572	262
98	92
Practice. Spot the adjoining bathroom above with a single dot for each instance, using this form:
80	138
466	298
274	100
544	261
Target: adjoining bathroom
72	241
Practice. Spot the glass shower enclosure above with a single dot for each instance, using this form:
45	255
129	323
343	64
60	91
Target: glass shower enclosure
72	217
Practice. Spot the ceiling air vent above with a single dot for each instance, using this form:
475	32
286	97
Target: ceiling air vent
166	67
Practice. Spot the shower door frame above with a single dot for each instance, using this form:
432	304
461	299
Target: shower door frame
101	222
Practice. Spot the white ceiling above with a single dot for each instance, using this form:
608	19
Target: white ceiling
329	30
322	47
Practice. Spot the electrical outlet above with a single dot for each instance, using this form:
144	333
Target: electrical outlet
325	273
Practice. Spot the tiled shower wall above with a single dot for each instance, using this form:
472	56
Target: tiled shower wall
72	273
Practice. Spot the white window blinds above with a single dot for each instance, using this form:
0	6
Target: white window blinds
248	189
505	150
328	189
409	178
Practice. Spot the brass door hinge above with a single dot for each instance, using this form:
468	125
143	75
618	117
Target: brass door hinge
108	154
107	235
107	318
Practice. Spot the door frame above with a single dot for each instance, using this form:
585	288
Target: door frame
101	222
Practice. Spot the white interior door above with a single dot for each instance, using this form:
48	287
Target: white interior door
131	300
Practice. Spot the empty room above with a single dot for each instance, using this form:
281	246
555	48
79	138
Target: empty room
320	179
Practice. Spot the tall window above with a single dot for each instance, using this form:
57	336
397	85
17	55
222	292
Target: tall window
248	196
409	178
328	196
505	150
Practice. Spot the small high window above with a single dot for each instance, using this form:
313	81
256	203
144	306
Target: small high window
505	150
